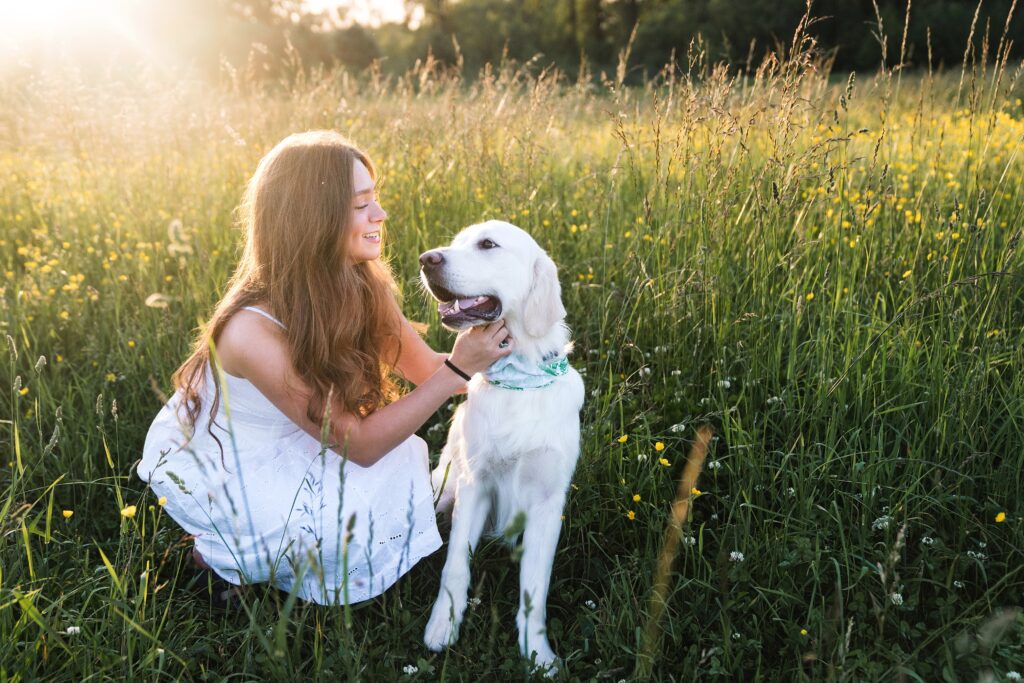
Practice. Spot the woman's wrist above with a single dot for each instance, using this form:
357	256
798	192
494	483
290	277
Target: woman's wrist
452	383
457	370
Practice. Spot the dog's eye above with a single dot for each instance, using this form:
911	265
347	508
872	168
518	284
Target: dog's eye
486	244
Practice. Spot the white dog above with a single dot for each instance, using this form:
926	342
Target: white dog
514	443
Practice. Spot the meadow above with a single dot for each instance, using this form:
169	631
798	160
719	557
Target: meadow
823	267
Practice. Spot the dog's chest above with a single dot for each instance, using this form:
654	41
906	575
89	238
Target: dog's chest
504	427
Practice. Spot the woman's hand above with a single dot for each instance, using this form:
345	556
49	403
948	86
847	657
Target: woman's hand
476	348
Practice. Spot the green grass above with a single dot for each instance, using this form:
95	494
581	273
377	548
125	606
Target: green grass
827	271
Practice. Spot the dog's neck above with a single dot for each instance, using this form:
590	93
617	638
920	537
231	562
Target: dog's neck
552	344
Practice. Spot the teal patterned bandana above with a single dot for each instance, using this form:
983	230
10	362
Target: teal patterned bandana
515	372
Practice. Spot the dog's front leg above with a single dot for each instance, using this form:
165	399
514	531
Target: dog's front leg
540	538
471	507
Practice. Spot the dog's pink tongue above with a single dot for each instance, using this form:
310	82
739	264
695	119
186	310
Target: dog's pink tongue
471	302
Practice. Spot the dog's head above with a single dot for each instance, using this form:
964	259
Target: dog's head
493	271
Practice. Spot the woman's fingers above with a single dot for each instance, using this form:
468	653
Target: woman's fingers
497	330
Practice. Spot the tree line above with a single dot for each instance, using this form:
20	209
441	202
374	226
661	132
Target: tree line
264	35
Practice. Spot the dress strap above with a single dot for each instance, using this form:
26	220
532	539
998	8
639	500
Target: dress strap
265	315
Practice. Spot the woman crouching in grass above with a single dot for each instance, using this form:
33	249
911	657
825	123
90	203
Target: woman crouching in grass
287	453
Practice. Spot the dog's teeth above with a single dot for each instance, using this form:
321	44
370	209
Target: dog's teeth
455	307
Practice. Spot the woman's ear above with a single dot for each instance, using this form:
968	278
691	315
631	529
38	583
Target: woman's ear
543	306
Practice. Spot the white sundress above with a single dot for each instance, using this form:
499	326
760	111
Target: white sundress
278	508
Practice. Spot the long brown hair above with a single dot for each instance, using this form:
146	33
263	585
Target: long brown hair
341	319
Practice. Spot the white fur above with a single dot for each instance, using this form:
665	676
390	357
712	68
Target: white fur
508	451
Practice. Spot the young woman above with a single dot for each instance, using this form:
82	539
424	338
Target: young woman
284	450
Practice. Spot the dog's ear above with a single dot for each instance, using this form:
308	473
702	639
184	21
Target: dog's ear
543	307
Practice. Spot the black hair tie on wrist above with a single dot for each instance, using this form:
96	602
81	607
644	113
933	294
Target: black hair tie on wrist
456	370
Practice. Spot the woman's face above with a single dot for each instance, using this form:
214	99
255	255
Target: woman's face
365	232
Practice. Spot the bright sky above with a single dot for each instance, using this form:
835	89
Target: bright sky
51	25
22	19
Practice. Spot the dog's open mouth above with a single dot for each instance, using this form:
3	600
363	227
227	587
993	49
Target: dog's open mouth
459	311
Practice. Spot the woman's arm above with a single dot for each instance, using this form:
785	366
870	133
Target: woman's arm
255	349
417	361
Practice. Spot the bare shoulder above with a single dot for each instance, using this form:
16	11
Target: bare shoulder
249	339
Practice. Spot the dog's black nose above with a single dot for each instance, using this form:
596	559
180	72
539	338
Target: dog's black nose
431	259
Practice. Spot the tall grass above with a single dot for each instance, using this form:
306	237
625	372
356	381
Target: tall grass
824	268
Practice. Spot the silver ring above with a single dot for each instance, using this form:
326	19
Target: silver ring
503	344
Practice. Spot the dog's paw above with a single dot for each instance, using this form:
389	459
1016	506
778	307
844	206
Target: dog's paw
542	656
442	628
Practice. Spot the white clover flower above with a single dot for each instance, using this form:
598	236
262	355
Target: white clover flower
1012	676
678	427
881	523
474	602
896	598
958	584
689	540
736	556
590	604
724	384
927	540
73	630
676	373
791	492
715	465
737	635
774	400
409	669
976	556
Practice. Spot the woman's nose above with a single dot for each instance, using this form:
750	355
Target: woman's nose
381	214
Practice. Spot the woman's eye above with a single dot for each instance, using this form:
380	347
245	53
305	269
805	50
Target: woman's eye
360	208
486	244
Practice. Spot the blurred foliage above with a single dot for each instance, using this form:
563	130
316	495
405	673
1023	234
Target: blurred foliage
264	36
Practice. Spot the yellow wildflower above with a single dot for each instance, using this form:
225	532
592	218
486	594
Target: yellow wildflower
810	296
696	491
803	632
128	511
162	501
67	513
1001	517
23	391
663	461
631	515
636	497
659	446
624	438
